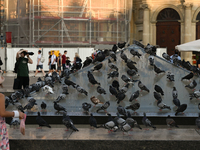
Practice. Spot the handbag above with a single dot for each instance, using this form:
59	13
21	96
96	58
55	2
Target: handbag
16	84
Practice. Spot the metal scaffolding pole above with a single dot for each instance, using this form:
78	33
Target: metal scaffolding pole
90	25
33	24
62	25
117	21
30	42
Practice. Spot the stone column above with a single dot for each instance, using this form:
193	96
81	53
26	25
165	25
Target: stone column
146	24
187	38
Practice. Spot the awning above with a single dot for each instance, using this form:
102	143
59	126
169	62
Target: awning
190	46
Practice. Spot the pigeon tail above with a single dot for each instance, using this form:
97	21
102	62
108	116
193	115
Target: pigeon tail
168	107
74	128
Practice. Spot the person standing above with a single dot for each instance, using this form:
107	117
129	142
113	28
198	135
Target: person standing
4	140
39	64
53	62
22	70
59	63
64	60
49	63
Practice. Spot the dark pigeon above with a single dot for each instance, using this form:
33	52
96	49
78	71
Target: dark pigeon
113	74
104	106
59	107
127	79
86	106
81	90
120	97
92	121
181	108
188	77
129	120
135	53
134	96
158	70
166	56
121	110
124	89
161	105
192	84
197	122
158	89
170	76
176	102
68	123
123	56
143	87
65	89
43	105
112	90
68	82
41	122
157	96
114	48
151	60
100	90
111	65
60	97
130	65
121	45
132	72
97	67
113	56
134	106
87	62
115	84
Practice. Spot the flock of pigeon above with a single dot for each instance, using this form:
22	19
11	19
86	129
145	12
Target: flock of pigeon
120	93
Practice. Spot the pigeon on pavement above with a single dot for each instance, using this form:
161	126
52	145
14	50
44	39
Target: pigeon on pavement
92	121
147	122
97	67
41	122
166	56
68	123
174	93
43	105
134	106
176	102
158	70
100	90
115	84
197	122
112	90
81	90
162	105
170	122
113	74
121	110
59	107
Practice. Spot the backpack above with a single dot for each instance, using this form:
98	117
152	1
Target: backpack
42	59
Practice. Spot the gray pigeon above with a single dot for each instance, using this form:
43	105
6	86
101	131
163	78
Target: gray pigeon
166	56
81	90
129	120
15	122
151	60
30	105
120	121
176	102
112	90
86	106
158	70
65	89
195	94
60	97
124	89
120	96
59	107
132	72
157	96
170	76
104	106
100	90
127	79
162	105
188	77
111	65
134	96
135	53
174	93
192	84
68	123
113	74
121	110
147	122
170	122
131	65
143	87
41	122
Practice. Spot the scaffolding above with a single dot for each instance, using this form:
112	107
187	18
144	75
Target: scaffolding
61	23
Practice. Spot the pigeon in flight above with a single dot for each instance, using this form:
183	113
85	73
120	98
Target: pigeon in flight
147	122
68	123
188	77
41	122
170	122
181	108
158	89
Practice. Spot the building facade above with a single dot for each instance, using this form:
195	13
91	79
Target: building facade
166	23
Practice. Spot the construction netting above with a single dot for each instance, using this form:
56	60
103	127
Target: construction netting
67	22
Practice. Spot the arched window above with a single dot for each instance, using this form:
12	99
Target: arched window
198	17
168	14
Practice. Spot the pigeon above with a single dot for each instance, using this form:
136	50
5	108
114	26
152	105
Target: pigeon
170	76
43	105
113	56
130	65
97	67
60	97
151	60
166	56
127	79
90	75
41	122
110	117
132	72
95	100
134	96
174	93
142	87
127	127
48	89
65	89
27	91
99	57
134	106
111	65
192	84
120	96
65	73
131	120
170	122
112	90
188	77
199	106
15	122
81	90
100	90
197	122
176	102
121	110
114	48
158	70
176	62
121	45
124	89
135	53
7	101
92	121
49	81
158	89
115	84
181	108
157	96
104	106
147	122
113	74
86	106
68	123
93	81
87	62
195	94
123	56
68	82
130	61
161	105
30	104
19	107
120	121
59	107
110	125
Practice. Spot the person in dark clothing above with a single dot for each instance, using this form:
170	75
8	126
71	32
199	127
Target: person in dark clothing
49	63
22	70
198	61
77	63
64	60
68	62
